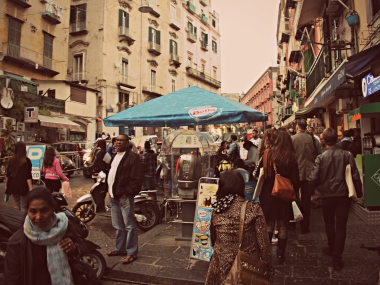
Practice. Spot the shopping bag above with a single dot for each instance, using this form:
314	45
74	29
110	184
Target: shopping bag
259	185
350	184
67	189
296	213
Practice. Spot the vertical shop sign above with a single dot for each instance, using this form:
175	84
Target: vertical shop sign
36	155
201	242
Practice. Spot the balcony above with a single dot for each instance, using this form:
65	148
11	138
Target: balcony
191	37
174	60
190	7
154	48
155	11
50	17
316	74
21	3
151	89
204	2
204	45
204	19
124	34
30	59
78	76
127	81
201	76
174	23
78	28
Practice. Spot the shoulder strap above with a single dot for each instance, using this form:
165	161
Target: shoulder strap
241	227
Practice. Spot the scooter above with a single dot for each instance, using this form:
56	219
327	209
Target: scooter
147	212
12	219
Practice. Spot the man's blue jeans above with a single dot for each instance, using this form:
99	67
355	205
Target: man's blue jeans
124	221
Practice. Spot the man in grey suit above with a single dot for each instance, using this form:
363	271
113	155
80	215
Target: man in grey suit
307	148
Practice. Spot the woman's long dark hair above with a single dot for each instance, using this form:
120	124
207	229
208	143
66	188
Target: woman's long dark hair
18	159
268	141
49	157
283	151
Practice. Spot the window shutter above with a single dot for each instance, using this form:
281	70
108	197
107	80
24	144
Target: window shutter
369	11
195	31
150	34
83	12
126	19
175	48
73	14
171	46
190	26
121	12
206	39
158	37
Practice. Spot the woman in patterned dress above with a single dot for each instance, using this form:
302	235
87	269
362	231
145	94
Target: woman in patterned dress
224	230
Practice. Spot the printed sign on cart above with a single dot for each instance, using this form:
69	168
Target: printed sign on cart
36	155
201	241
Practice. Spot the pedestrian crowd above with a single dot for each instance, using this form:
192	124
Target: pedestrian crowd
315	168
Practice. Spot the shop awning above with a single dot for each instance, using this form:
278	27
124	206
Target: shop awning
57	122
311	10
360	63
19	78
79	129
362	111
329	86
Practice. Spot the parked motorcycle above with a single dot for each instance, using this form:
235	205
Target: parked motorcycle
12	219
147	211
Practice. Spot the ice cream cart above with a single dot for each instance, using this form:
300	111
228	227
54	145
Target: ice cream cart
367	118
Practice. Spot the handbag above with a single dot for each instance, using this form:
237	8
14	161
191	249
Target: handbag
296	213
283	187
246	269
350	184
259	185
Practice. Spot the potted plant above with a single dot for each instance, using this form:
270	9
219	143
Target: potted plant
338	43
118	103
132	104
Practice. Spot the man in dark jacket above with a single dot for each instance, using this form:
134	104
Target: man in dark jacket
149	163
124	181
307	148
329	173
234	149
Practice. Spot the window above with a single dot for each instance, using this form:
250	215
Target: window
48	51
204	37
124	71
373	10
78	95
14	36
173	11
173	47
192	29
154	36
215	72
78	18
153	81
51	93
173	85
123	19
78	71
213	23
124	100
214	46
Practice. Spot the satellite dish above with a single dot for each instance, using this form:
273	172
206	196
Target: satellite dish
1	56
6	100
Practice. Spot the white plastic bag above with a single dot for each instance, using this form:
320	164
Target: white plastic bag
67	189
296	212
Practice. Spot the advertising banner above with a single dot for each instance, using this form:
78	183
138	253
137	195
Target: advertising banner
36	155
201	242
370	85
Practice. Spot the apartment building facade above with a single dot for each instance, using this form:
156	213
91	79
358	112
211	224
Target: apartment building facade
325	48
262	96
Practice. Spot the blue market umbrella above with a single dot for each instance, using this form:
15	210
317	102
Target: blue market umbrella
189	106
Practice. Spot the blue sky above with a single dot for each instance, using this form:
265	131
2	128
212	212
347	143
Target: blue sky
248	41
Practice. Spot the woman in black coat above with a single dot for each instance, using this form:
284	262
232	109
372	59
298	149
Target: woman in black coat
281	155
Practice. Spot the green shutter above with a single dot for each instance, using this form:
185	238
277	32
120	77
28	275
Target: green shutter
206	39
83	11
73	14
126	19
158	37
121	17
150	34
176	47
171	46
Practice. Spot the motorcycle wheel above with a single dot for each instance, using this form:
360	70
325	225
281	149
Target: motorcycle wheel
84	211
96	261
152	218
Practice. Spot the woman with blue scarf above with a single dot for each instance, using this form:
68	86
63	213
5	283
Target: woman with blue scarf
39	252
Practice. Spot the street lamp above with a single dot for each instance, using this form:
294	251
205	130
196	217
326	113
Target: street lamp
145	8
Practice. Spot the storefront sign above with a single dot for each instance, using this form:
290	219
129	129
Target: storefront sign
201	241
31	115
370	85
36	155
